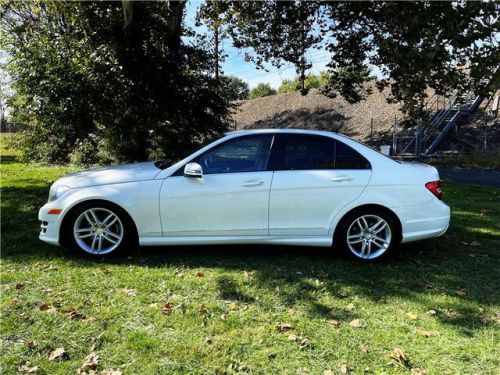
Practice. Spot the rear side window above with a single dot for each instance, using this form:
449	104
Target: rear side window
302	152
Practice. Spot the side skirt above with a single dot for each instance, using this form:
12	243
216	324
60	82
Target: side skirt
241	240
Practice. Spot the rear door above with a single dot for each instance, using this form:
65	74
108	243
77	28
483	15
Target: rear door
314	177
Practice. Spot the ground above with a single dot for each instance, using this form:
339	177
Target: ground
434	306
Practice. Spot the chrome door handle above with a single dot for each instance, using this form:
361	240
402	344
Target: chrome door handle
341	178
252	183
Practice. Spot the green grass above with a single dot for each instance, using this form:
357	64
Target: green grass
480	160
227	302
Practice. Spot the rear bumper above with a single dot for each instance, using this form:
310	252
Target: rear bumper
421	222
49	228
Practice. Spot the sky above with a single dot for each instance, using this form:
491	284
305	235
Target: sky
236	65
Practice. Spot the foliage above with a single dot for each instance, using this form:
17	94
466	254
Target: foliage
262	89
318	82
249	309
81	72
234	88
415	45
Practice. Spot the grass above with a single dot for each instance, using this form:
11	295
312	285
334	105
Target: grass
483	160
218	310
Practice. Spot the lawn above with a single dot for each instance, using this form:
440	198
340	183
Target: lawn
255	310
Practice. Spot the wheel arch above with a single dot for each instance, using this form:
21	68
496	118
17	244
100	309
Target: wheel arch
365	207
63	232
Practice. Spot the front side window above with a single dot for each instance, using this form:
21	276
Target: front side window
303	152
242	154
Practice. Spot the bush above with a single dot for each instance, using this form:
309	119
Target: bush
262	89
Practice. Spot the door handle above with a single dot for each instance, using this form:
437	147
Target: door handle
341	178
252	183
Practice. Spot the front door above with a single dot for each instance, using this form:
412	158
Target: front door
232	197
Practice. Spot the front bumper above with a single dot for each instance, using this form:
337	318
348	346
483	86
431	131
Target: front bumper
49	228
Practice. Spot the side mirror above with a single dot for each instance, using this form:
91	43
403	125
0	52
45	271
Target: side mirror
193	170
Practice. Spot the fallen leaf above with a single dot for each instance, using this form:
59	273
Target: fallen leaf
14	302
344	369
417	371
154	305
350	306
412	316
357	323
58	353
328	372
431	312
208	340
232	306
422	332
31	344
199	274
167	308
20	286
27	370
223	317
75	315
334	323
47	308
304	343
475	243
248	274
130	292
367	369
111	372
283	327
460	293
293	338
343	294
90	363
399	355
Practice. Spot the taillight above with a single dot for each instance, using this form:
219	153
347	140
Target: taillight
435	188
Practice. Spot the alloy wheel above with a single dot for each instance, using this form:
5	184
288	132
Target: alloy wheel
369	236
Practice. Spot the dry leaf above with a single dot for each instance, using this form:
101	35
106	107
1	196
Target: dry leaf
167	308
19	286
154	305
208	340
232	306
344	369
357	323
58	353
199	274
350	306
412	316
475	243
223	317
75	315
130	292
304	343
328	372
399	355
334	323
14	302
417	371
293	338
343	294
431	312
460	293
111	372
27	370
422	332
283	327
90	363
47	308
248	274
31	344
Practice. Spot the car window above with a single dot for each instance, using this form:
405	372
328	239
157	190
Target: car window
297	152
242	154
348	158
300	152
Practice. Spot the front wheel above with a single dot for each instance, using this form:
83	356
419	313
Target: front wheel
99	230
368	235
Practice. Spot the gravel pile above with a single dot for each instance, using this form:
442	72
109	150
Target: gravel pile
316	111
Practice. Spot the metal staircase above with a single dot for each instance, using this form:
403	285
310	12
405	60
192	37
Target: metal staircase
425	140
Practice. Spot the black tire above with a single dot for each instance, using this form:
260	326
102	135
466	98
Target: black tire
350	225
128	241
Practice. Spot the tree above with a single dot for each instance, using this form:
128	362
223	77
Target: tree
318	82
416	45
89	82
234	88
262	89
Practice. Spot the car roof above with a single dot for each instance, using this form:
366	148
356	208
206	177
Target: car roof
292	131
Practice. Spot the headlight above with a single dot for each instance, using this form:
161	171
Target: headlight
57	192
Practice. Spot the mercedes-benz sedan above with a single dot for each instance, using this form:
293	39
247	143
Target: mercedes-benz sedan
288	187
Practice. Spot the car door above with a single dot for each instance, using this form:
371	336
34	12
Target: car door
314	177
230	199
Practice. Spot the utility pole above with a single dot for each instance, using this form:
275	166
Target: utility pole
216	42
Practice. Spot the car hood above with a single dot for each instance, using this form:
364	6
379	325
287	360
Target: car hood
110	175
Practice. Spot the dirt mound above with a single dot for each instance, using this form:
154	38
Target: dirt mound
316	111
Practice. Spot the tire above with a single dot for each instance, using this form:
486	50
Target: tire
368	234
98	229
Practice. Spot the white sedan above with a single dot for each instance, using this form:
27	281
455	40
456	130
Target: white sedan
287	187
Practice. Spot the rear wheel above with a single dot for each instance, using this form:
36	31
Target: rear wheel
368	234
99	229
